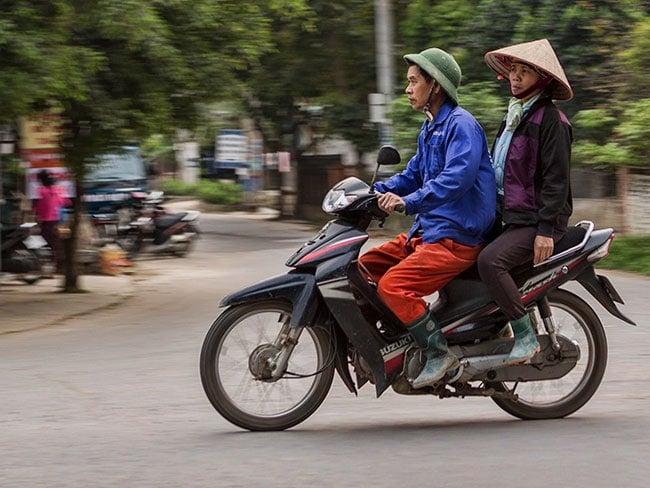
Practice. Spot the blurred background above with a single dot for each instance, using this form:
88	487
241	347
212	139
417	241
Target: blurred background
253	102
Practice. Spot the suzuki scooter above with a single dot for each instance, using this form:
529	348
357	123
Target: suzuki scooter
268	360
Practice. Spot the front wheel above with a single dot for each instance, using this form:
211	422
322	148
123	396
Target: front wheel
237	360
25	263
549	399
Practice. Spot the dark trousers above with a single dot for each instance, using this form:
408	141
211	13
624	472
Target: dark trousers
510	252
50	232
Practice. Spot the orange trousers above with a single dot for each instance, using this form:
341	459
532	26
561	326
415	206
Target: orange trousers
405	272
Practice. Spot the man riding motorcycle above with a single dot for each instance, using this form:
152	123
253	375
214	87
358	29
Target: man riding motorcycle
449	186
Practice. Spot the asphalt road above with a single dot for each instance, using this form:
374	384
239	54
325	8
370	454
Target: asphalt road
114	399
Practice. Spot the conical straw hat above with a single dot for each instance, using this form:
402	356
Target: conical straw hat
539	54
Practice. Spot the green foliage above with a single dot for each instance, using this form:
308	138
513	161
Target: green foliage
178	187
215	192
406	124
476	98
601	156
634	131
487	106
635	60
157	146
629	253
219	193
595	124
123	69
605	140
326	62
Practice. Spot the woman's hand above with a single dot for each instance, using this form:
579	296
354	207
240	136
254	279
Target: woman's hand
543	248
388	201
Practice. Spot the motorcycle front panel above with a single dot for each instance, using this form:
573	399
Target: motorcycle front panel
334	239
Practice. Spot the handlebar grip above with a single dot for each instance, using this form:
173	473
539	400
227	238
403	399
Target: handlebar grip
400	208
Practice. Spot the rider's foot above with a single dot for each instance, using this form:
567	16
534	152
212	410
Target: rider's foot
434	369
526	344
431	340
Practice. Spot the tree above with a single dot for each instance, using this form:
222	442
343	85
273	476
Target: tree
119	70
320	72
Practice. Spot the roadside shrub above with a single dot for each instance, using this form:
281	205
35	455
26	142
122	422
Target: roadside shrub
215	192
218	192
629	253
177	187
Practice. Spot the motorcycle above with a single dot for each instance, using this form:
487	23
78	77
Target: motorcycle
268	360
153	230
24	252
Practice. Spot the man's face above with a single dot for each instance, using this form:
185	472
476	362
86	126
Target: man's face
418	88
521	77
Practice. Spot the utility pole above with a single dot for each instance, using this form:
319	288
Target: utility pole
385	69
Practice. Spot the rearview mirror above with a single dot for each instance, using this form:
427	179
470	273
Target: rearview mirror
388	155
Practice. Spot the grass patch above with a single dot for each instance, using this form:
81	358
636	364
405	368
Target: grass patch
629	253
215	192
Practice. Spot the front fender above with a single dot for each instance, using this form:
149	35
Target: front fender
297	288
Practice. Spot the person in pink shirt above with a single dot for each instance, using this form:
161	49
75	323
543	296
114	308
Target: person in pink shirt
47	209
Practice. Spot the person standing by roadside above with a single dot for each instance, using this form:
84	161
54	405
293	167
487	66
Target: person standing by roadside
531	158
47	209
449	186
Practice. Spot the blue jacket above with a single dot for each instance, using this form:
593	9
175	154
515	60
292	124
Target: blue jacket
449	184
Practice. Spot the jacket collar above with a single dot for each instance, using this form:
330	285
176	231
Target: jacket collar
441	116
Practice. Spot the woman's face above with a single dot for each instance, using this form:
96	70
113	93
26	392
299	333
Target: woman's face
418	88
522	77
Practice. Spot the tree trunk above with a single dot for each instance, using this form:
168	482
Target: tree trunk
70	244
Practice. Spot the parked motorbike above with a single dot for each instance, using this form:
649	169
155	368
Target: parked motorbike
153	230
268	360
24	252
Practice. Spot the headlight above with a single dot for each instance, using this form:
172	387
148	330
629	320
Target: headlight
336	200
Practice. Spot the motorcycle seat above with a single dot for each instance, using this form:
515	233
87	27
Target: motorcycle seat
168	220
466	292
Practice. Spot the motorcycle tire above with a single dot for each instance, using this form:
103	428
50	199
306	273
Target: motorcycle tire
131	243
184	249
232	348
25	264
550	399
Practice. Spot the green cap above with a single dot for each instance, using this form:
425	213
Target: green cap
441	66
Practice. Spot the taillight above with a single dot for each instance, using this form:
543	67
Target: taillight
601	252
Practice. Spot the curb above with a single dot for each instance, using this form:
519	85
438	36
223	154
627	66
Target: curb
43	304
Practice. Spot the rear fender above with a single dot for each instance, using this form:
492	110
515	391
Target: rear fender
603	291
297	288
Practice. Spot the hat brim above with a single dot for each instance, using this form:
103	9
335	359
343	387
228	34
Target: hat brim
437	75
538	54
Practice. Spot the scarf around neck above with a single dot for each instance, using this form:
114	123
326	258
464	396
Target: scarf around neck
516	111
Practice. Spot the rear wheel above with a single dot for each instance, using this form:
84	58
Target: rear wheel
237	360
130	242
576	321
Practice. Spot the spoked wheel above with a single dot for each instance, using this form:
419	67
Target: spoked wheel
241	367
548	399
